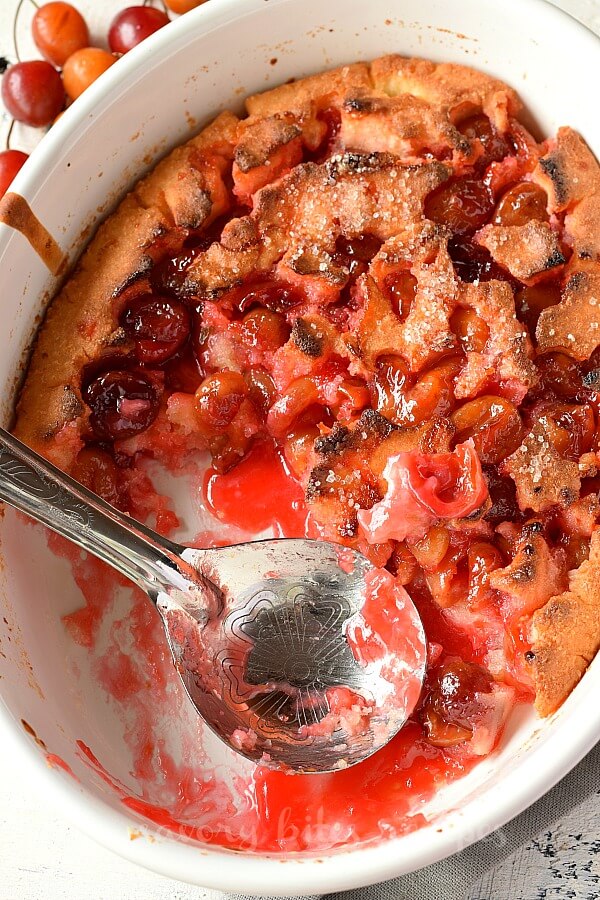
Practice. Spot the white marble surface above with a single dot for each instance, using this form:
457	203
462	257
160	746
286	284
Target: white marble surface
43	856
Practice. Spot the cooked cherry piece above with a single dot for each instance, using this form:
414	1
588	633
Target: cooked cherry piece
97	470
355	253
133	25
470	329
494	144
531	301
122	404
33	92
170	274
561	374
401	288
218	400
464	204
503	494
494	425
521	204
451	706
474	263
277	296
159	326
10	163
265	329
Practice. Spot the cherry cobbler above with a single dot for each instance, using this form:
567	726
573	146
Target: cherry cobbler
373	305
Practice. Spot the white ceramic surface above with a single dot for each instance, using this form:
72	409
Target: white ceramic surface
140	108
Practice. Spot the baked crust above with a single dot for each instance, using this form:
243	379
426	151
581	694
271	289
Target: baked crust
565	634
526	251
542	477
84	315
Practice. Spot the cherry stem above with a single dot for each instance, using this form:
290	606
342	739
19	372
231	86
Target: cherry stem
9	133
15	20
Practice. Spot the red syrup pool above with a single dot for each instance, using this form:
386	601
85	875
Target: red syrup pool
179	787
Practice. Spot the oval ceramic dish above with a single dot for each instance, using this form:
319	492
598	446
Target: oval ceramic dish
152	100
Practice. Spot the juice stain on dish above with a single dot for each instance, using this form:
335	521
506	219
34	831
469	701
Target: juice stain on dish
177	787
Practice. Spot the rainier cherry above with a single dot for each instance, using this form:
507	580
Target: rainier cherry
183	6
58	31
83	67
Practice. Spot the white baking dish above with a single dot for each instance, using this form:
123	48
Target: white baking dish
140	108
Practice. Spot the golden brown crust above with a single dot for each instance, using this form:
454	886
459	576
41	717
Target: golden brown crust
404	125
83	316
565	634
309	208
573	325
506	356
260	138
541	475
314	92
426	331
570	175
460	90
526	251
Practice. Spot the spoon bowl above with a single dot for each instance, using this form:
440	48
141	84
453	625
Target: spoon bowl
299	654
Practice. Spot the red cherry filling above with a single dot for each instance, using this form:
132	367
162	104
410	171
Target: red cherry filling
465	204
495	145
122	404
158	326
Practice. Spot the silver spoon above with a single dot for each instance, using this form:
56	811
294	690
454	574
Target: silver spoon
268	637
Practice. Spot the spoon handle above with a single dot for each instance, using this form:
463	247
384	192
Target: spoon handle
36	487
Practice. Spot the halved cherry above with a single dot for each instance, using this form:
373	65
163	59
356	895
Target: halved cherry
261	388
522	203
218	400
472	262
433	394
561	374
265	329
482	558
401	288
494	425
494	144
531	301
464	204
451	710
122	404
355	253
450	485
503	495
470	329
575	428
390	387
159	326
274	295
97	470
